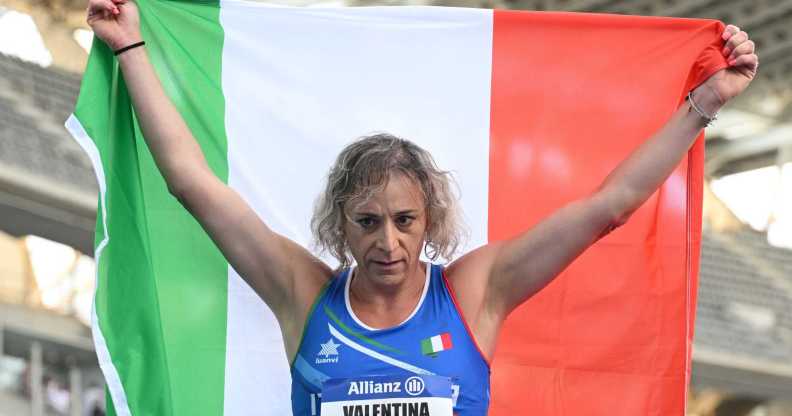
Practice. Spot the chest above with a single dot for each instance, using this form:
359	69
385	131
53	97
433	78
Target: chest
432	341
429	344
423	346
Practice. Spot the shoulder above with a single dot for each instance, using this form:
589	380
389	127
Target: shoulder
468	279
313	282
472	270
309	286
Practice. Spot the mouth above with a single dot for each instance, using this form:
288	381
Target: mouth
386	264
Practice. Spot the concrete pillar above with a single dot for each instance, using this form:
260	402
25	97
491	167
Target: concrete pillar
779	232
36	379
75	391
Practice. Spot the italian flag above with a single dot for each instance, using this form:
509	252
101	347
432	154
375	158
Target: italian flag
435	344
528	110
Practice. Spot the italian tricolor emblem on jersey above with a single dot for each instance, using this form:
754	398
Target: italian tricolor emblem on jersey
435	344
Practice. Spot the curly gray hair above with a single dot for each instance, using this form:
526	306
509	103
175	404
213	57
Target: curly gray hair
362	169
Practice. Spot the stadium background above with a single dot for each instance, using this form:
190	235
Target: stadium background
742	361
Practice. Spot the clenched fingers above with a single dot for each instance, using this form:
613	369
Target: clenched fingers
746	48
103	8
729	31
734	41
747	62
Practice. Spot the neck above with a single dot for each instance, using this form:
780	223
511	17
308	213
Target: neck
382	305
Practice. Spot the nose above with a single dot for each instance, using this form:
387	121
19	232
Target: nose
387	240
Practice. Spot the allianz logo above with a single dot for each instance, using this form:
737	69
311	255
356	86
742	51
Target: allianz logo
412	386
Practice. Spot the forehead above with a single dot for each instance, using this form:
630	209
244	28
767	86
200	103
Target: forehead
401	193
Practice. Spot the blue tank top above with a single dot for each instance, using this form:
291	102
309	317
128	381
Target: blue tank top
434	339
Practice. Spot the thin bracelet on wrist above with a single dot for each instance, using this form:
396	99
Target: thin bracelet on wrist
128	47
709	119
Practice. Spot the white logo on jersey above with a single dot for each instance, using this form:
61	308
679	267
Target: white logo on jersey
371	387
414	386
329	349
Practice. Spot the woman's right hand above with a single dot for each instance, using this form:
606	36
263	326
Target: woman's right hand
115	22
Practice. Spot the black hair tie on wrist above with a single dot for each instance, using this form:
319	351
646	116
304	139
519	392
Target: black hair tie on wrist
126	48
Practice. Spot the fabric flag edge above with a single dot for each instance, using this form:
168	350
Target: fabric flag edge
110	372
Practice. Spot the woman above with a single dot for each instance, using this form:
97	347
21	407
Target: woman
385	202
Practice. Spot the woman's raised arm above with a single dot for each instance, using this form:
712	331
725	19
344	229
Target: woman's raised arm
516	269
268	261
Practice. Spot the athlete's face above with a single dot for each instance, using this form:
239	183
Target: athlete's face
386	232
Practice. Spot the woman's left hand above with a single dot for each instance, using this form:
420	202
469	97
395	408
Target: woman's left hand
743	63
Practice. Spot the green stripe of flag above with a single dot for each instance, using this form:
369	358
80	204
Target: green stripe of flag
162	285
426	346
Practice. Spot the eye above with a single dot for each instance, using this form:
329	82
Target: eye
366	222
404	220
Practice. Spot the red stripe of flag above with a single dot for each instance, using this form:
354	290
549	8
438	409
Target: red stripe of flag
446	339
572	95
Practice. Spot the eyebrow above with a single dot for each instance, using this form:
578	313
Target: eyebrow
402	212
